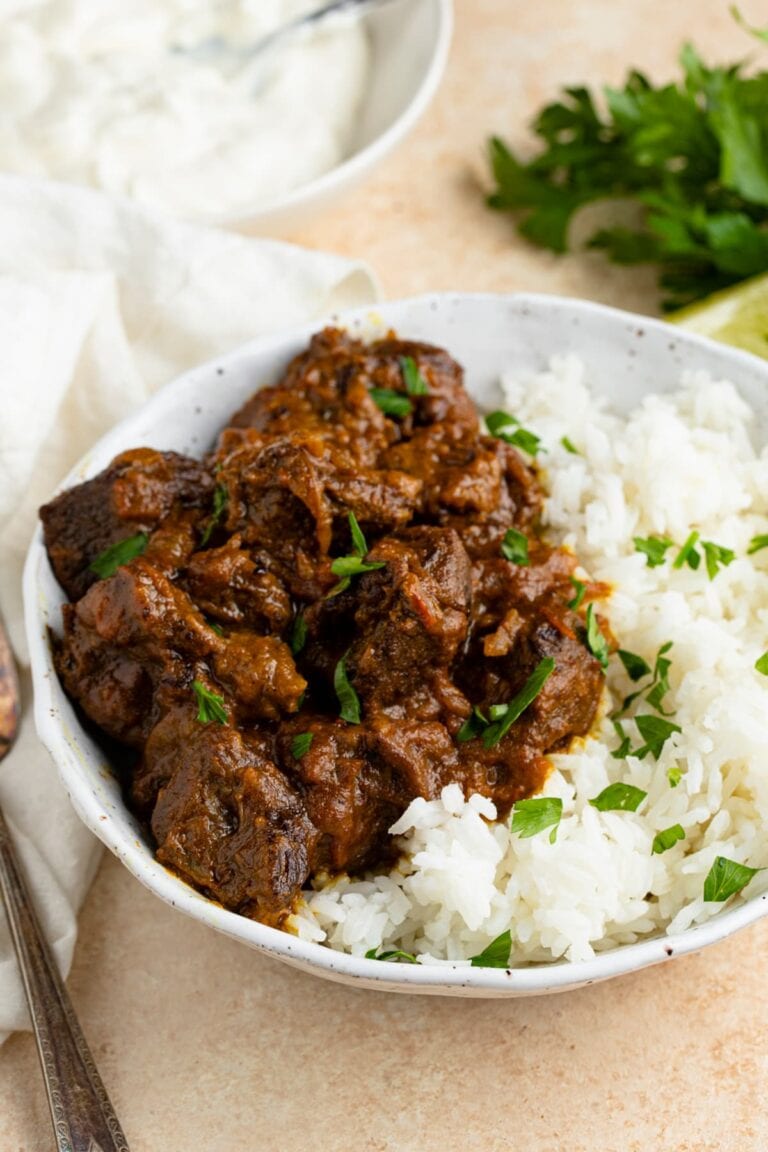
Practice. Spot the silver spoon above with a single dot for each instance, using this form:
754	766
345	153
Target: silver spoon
83	1118
256	49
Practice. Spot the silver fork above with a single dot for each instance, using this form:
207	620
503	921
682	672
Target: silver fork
83	1117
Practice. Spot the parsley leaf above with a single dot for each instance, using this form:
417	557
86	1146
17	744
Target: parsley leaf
596	642
210	706
727	877
688	554
301	744
716	557
756	544
359	544
395	955
527	694
390	402
619	798
655	730
654	549
353	566
569	446
508	428
347	697
625	747
349	566
472	726
532	816
667	839
761	664
634	665
220	501
674	775
298	634
496	955
514	547
581	589
108	561
415	384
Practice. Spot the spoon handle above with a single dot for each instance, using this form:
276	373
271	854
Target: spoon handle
83	1118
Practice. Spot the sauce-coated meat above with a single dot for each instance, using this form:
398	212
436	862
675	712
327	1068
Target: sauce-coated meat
319	622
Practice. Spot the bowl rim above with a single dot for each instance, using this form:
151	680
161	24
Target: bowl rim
446	976
358	162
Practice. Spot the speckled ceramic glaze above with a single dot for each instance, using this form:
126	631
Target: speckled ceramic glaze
628	356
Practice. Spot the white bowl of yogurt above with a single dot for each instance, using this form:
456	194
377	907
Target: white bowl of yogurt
110	93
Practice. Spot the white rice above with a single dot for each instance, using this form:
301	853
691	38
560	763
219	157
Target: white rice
678	462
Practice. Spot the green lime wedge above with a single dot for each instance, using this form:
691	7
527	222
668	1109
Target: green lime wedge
737	315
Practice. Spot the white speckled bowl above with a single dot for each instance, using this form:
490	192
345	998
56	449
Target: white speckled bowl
628	357
409	48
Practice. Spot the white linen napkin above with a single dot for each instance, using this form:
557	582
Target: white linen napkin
100	304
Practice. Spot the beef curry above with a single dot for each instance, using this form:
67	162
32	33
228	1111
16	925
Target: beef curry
330	615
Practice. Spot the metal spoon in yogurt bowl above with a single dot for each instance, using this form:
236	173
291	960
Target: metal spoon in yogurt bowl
217	49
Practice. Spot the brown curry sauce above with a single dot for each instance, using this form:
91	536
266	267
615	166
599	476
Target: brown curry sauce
236	569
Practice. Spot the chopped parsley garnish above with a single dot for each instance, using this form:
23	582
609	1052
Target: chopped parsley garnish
355	565
217	628
530	817
654	548
688	554
659	685
415	384
508	428
619	798
727	877
210	706
667	839
596	642
761	664
496	955
396	955
525	697
634	665
756	544
220	500
347	697
301	744
359	545
581	589
569	446
475	723
514	547
390	402
625	747
108	561
716	557
655	731
298	633
674	775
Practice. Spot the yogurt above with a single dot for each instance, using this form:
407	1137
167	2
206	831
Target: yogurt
101	92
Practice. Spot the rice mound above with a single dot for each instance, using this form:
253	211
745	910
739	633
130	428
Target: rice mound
680	461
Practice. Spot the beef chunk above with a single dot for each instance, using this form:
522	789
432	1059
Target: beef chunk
293	498
134	494
225	818
260	675
350	797
236	586
326	391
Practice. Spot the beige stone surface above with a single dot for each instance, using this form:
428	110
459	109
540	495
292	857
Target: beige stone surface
206	1045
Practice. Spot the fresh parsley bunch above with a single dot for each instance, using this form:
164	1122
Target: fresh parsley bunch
693	154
